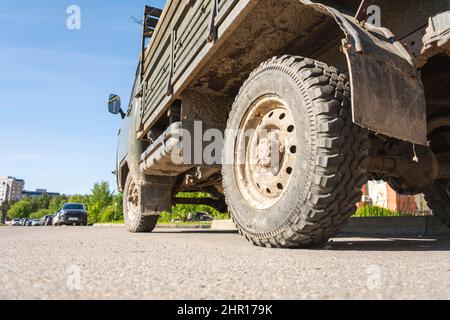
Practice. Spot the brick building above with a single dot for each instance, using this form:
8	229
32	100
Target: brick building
379	193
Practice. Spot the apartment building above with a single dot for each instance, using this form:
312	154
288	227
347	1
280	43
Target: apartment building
11	189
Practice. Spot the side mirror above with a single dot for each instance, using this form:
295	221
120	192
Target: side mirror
114	105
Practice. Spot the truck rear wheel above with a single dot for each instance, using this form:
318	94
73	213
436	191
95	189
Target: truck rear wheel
438	198
135	219
297	111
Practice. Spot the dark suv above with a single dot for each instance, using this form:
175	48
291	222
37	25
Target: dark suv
71	214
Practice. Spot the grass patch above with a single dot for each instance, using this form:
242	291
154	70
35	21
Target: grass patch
181	211
201	223
374	211
117	222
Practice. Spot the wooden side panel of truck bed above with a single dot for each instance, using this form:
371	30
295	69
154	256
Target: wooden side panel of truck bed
178	47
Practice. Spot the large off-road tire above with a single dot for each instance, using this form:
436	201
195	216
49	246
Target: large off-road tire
135	219
307	195
438	199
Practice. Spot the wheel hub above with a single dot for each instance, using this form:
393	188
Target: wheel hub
264	152
269	152
133	200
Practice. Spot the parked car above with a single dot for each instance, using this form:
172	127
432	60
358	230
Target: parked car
47	220
71	214
29	223
36	223
199	217
15	223
25	222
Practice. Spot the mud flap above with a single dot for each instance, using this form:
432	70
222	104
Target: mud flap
387	93
156	195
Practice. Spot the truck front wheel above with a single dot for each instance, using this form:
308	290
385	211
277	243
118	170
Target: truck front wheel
294	163
135	219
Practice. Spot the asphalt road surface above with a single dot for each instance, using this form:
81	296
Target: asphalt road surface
109	263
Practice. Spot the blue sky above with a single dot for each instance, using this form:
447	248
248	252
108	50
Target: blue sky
55	131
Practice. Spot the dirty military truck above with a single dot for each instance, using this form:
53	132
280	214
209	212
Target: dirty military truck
312	98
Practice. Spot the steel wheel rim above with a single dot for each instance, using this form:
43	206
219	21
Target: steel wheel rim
266	149
133	201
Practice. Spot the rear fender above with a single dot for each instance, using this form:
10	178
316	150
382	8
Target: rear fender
387	92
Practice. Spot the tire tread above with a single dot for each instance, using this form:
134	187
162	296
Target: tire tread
341	151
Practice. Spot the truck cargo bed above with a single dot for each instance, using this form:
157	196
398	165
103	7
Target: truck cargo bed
187	32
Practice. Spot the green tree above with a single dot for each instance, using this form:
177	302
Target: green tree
21	209
94	213
44	201
4	208
110	214
101	195
79	199
39	214
56	203
118	201
39	202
